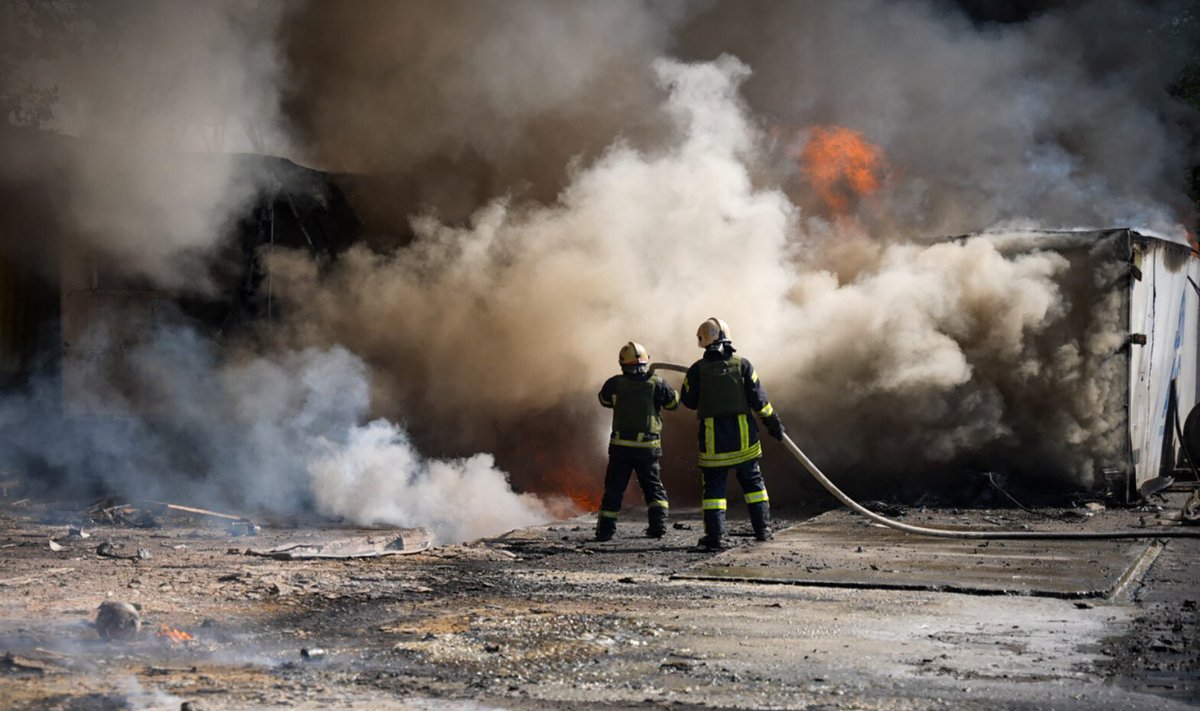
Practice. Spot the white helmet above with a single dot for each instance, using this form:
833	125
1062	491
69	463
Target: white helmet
712	331
633	355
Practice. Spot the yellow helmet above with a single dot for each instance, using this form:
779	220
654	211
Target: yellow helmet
633	355
711	332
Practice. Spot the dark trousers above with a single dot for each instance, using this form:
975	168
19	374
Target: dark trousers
623	461
754	492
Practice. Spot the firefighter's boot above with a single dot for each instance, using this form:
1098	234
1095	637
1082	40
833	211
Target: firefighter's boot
714	530
658	522
760	519
606	526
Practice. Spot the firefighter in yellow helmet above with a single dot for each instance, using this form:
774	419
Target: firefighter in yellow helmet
726	394
636	398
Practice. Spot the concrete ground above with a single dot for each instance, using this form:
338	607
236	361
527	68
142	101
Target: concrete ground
835	613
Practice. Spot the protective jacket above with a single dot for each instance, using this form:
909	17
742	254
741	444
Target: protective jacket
724	391
636	400
635	446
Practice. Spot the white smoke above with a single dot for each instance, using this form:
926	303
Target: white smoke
929	348
626	253
376	476
256	434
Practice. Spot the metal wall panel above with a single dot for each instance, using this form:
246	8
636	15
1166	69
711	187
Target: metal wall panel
1163	307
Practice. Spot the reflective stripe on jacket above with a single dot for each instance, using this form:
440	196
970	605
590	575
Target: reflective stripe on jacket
725	392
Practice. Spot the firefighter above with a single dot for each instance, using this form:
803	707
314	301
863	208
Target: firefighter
636	398
725	392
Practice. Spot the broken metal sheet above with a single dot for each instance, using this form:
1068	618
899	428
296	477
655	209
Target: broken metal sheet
1158	484
410	540
838	550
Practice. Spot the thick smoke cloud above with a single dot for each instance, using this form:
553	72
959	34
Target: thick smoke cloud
525	304
446	105
251	434
645	244
141	188
157	97
543	181
972	349
487	323
982	124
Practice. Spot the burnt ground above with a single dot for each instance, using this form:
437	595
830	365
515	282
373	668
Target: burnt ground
545	618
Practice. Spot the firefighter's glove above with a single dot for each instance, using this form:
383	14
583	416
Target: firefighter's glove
774	427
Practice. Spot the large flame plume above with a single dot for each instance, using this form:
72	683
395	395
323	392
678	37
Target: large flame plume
842	166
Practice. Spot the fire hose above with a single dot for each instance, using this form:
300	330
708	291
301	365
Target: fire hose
951	532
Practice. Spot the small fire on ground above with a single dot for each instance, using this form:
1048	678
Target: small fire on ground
173	635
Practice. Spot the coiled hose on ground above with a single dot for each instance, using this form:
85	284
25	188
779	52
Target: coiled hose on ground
950	532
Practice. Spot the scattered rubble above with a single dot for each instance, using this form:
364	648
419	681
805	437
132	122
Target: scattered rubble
540	618
109	512
413	540
109	550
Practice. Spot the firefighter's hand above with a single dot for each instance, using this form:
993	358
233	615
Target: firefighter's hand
774	427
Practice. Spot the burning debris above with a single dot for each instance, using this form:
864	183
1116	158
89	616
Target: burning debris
171	634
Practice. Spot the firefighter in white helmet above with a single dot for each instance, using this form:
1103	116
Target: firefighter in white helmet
636	398
726	394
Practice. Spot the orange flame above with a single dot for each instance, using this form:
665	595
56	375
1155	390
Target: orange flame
174	635
585	499
562	476
842	166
